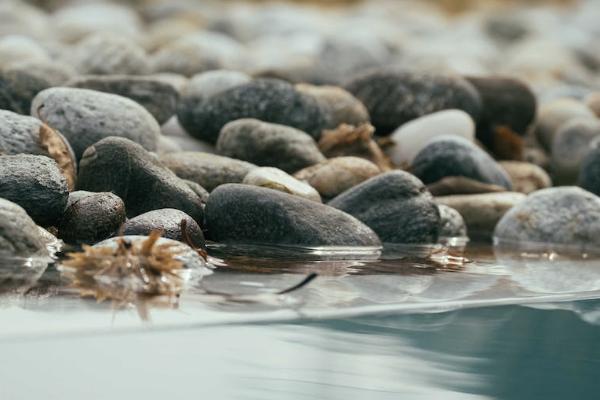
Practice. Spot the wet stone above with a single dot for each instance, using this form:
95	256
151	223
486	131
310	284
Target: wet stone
87	116
274	178
91	217
245	214
124	168
268	100
158	97
36	184
448	156
206	169
562	215
170	222
268	144
396	205
394	97
336	175
452	223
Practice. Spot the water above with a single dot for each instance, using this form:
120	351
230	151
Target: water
510	325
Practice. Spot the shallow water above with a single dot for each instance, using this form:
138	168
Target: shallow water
498	325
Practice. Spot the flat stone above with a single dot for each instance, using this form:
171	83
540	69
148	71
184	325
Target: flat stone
251	215
396	205
268	144
274	178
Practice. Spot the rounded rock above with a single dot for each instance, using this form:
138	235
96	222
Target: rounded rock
87	116
394	97
36	184
526	177
589	173
268	144
274	178
571	144
396	205
169	221
108	54
91	217
206	169
454	156
19	235
247	214
452	223
18	88
124	168
552	115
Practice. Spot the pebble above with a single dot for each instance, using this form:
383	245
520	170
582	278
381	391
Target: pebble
36	184
91	217
589	173
268	144
560	215
247	214
452	223
394	97
410	138
571	144
17	88
86	116
396	205
19	235
124	168
156	96
108	54
447	156
24	134
481	212
508	109
206	169
593	103
336	175
167	220
526	177
552	115
55	73
461	185
339	105
268	100
17	48
274	178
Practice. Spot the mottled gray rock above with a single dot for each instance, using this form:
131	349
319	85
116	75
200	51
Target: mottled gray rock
54	72
394	96
19	235
571	143
248	214
552	115
562	215
396	205
91	217
481	212
36	184
268	100
124	168
158	97
335	175
589	173
18	88
205	169
23	134
87	116
274	178
108	54
339	105
452	223
526	177
169	221
268	144
454	156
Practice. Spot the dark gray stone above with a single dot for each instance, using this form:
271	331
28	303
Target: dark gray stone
158	97
124	168
453	156
269	145
19	235
268	100
452	223
248	214
87	116
168	220
394	96
91	217
206	169
570	145
18	88
36	184
396	205
589	173
562	215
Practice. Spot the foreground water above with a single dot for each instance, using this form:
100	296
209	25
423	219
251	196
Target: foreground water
513	325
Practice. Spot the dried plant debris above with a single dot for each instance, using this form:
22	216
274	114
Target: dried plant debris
350	140
138	271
